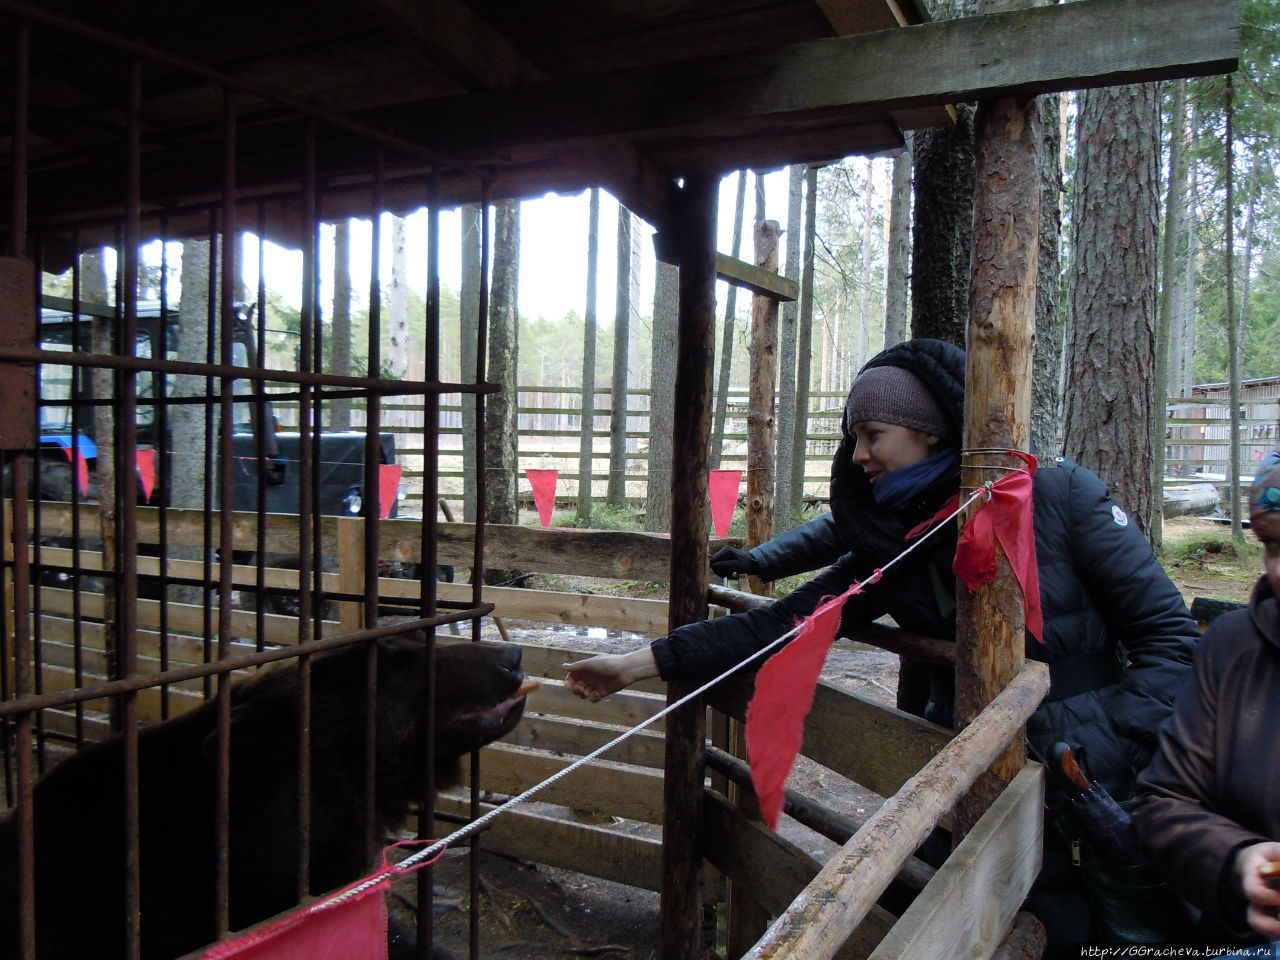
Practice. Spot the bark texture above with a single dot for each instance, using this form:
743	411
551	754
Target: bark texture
1110	384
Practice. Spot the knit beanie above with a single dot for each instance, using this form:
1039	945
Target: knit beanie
1264	495
894	395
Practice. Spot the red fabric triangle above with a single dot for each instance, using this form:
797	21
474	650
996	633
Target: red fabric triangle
1008	519
350	929
82	469
388	487
544	492
724	498
784	693
147	471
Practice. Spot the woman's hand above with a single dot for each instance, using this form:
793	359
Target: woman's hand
597	677
1263	896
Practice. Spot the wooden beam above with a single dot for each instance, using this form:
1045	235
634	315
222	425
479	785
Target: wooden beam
979	889
590	850
832	906
768	283
1019	53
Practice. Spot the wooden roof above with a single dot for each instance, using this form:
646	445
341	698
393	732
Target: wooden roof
534	95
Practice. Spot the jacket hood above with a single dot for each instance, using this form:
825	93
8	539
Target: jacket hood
940	366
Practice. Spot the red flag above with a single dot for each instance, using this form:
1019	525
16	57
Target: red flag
82	469
783	695
147	471
388	487
724	498
544	492
354	928
1006	519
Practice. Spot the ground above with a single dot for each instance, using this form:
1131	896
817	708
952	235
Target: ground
534	912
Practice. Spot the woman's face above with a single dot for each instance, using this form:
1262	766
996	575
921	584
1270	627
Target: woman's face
884	447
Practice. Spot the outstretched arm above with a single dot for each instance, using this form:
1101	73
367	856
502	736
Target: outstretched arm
596	677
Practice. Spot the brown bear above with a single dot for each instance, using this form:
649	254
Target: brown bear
79	820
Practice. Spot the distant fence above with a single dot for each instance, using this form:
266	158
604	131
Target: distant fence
549	423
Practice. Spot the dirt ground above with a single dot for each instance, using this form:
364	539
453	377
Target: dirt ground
535	912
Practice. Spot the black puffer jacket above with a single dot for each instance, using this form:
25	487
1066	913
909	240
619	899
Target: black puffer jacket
1118	637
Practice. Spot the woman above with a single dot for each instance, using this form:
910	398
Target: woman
1118	638
1208	809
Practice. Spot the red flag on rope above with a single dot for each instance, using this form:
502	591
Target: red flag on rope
724	498
354	928
82	469
147	471
784	693
1007	518
388	487
544	492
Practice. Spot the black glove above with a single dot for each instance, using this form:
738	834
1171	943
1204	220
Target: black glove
730	560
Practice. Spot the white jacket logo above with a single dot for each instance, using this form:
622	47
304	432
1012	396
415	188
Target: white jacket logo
1119	517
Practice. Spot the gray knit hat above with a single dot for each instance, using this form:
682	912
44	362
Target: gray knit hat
894	395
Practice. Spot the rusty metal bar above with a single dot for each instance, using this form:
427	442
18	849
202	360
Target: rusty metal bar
110	361
305	497
126	491
163	460
226	454
372	505
211	318
481	373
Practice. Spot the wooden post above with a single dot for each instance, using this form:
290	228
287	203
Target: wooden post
695	218
760	422
1000	342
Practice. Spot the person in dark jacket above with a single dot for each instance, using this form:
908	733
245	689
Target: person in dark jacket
1118	637
1208	808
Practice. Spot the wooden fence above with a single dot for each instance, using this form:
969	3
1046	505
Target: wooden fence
821	910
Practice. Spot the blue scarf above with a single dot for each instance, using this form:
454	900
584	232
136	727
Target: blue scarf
895	489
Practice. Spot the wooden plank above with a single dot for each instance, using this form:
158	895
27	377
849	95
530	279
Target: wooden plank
575	738
846	888
584	848
756	279
599	787
874	745
1021	53
979	889
774	870
547	606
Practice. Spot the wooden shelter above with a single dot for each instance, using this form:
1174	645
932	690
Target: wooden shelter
122	123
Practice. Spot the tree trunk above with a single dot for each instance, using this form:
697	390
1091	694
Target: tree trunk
1046	397
864	294
726	341
899	252
657	511
1168	283
943	229
501	450
468	328
616	495
190	486
586	440
784	500
398	326
804	341
1233	351
760	425
340	322
990	621
1111	337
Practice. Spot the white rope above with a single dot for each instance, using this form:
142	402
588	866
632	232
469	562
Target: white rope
479	823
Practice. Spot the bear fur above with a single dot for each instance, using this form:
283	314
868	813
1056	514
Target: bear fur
79	819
